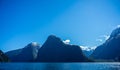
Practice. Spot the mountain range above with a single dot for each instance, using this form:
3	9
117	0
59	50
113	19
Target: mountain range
55	50
26	54
110	50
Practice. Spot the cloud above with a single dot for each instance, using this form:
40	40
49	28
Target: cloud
106	37
67	41
100	40
118	26
86	48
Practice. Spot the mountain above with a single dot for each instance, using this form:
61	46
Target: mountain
110	50
3	57
26	54
87	53
87	50
54	50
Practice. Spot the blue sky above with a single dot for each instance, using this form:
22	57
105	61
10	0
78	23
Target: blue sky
83	22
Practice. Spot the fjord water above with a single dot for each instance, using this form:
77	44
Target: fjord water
59	66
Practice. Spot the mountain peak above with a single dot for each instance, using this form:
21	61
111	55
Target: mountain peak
115	32
55	50
52	39
27	54
110	50
33	44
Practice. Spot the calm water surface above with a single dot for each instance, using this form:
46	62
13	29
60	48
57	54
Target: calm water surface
59	66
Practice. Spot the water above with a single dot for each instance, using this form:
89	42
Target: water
59	66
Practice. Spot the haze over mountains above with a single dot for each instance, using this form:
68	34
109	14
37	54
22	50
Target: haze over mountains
55	50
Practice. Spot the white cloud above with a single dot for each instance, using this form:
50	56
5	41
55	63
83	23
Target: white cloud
94	47
100	40
67	41
118	26
106	37
88	48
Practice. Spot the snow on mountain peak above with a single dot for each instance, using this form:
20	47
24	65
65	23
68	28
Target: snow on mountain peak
86	48
34	44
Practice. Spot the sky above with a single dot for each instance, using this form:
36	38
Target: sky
80	22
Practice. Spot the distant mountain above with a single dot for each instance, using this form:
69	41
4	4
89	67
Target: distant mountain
87	53
3	57
110	50
54	50
26	54
87	50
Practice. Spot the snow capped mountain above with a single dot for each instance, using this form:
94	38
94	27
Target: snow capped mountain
53	50
110	50
34	47
88	50
26	54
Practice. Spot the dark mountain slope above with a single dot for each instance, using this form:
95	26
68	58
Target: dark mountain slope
3	57
110	50
26	54
54	50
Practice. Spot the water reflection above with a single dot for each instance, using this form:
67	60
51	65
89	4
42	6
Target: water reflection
59	66
53	66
